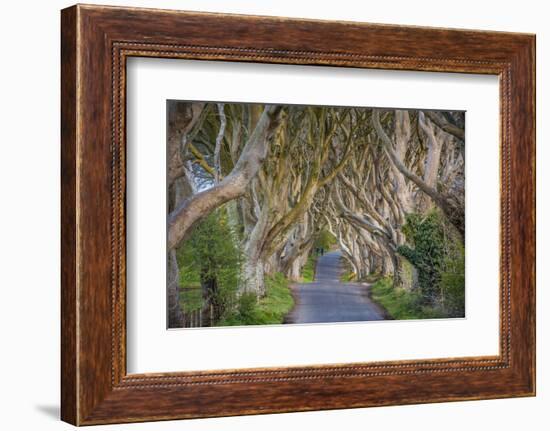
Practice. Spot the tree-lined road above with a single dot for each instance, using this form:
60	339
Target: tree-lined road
327	299
385	186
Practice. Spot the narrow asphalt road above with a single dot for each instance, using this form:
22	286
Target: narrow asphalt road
327	299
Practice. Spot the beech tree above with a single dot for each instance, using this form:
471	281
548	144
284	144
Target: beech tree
452	204
188	208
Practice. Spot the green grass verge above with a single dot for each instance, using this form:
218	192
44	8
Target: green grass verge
400	303
308	271
347	276
269	310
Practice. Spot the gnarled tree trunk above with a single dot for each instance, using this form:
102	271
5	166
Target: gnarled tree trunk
198	206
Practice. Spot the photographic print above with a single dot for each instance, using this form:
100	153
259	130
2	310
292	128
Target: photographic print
291	214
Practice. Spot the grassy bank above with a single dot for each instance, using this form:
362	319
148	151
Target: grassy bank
270	309
400	303
308	271
347	276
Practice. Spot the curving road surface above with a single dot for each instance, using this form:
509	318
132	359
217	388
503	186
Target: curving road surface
327	299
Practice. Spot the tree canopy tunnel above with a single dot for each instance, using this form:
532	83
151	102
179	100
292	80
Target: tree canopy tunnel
274	178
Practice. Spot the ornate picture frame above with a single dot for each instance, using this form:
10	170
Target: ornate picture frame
96	41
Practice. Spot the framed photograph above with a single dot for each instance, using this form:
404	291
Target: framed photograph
266	215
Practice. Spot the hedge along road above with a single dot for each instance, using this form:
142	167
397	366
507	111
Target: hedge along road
327	299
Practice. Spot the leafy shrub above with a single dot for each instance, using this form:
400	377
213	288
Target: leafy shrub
453	282
246	309
426	236
407	274
211	259
271	309
437	252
